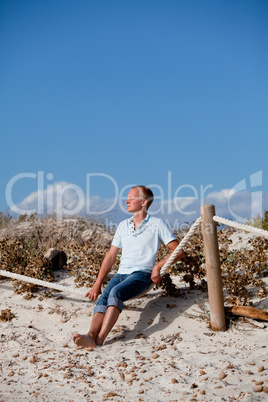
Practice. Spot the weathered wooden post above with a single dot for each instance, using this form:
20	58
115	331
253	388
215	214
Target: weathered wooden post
214	279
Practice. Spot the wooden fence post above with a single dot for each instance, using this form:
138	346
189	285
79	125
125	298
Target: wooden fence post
214	279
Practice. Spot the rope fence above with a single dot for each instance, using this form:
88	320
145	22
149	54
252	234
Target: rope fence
180	246
241	226
39	282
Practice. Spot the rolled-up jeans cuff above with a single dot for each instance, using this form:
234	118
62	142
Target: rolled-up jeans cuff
114	301
100	309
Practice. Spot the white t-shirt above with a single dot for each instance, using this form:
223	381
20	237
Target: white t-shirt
139	247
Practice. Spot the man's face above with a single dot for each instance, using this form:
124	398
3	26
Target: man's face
135	202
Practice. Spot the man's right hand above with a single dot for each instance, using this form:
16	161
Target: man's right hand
155	277
94	292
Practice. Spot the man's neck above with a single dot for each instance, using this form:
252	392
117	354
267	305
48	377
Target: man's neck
138	218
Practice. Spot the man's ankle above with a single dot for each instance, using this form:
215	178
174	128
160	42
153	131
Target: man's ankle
99	341
92	335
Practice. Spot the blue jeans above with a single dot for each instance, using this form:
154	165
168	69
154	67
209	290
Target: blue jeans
122	288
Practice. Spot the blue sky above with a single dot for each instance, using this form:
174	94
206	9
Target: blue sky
142	91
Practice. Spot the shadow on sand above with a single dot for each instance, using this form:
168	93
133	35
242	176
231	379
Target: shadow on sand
155	315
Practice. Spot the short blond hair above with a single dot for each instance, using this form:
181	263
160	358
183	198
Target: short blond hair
147	194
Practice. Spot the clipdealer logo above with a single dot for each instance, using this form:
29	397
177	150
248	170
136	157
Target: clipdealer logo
255	182
67	199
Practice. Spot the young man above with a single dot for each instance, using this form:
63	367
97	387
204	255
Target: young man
139	238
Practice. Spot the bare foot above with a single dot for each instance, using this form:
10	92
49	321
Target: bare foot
86	341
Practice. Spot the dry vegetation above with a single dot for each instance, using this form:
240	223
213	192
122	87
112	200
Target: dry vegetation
23	244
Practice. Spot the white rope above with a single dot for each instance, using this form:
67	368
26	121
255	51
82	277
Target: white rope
180	246
236	225
173	256
42	283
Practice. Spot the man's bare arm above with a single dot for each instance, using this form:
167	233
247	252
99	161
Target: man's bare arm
105	268
157	268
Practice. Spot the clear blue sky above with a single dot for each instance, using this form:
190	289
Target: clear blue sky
133	89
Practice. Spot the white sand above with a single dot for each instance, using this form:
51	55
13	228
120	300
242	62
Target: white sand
39	362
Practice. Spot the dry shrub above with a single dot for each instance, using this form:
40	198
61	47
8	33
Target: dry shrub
6	315
23	244
242	270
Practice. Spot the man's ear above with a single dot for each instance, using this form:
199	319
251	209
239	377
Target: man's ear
144	203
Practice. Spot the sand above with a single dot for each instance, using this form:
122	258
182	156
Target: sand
161	349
